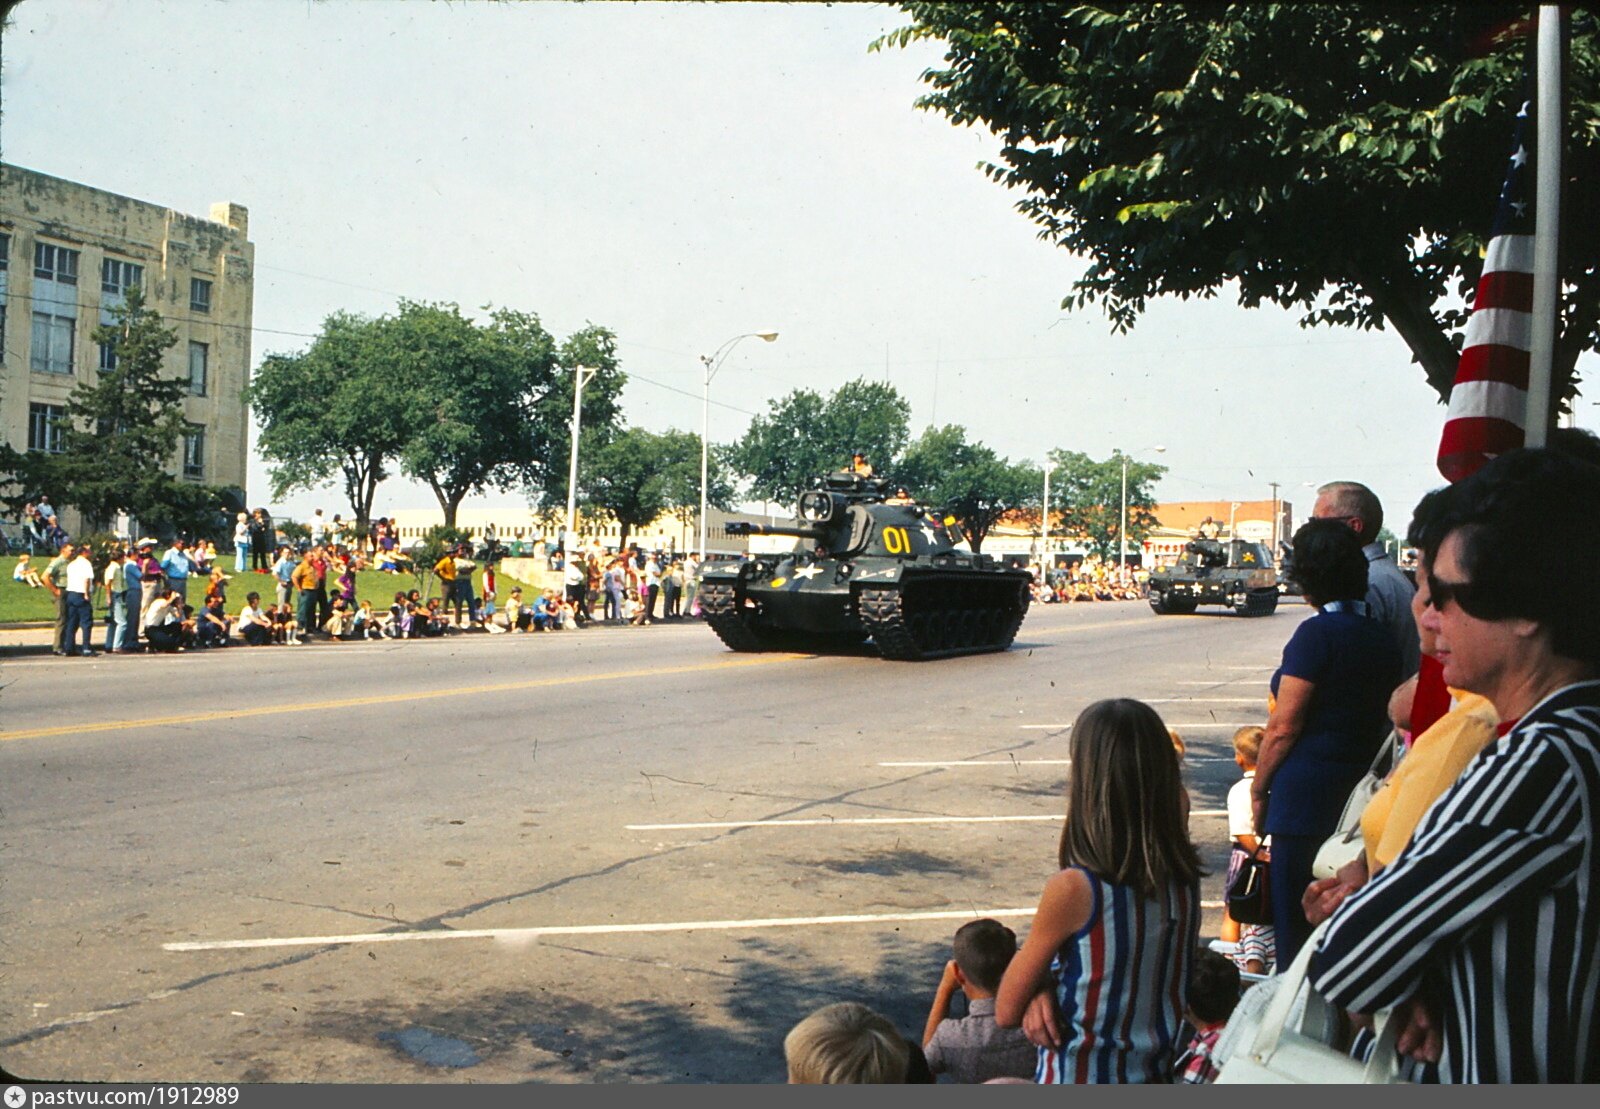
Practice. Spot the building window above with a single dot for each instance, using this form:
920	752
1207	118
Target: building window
55	263
108	356
44	427
117	277
197	369
199	295
52	344
194	452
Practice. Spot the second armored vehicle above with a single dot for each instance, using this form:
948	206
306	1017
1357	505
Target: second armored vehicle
1238	574
867	565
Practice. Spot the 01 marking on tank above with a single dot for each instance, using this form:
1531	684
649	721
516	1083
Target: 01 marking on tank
1238	574
865	566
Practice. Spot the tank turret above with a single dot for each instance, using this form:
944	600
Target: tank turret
869	562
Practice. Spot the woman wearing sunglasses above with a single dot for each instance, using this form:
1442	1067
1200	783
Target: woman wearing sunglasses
1484	932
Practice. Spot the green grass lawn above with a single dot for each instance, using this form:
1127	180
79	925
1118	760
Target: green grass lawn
20	603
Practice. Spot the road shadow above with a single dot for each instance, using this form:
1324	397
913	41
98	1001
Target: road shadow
730	1029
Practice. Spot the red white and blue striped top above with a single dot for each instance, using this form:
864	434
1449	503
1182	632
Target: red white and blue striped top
1121	984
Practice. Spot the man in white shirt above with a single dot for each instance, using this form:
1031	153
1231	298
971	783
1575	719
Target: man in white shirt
576	579
162	626
652	588
691	582
80	609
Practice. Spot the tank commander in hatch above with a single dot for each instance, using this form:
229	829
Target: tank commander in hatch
860	465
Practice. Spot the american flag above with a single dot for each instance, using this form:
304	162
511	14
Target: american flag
1489	399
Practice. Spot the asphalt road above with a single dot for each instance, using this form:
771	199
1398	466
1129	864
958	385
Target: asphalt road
392	825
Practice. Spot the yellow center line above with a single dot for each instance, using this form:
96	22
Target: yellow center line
459	691
389	698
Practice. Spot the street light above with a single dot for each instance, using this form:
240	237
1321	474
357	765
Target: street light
581	376
712	363
1044	523
1122	533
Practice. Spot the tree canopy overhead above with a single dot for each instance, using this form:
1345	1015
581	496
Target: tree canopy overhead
1341	159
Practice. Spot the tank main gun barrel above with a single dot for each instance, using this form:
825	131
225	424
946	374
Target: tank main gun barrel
744	527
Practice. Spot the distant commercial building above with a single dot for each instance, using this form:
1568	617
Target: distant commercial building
1179	521
68	255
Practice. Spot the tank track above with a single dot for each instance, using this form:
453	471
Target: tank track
721	607
964	617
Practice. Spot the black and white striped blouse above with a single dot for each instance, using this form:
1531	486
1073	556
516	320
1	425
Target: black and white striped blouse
1493	909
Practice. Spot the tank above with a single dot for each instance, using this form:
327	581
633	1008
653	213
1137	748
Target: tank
866	565
1238	574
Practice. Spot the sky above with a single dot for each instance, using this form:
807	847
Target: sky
683	174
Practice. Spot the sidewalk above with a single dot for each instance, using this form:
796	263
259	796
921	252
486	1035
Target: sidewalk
26	639
17	640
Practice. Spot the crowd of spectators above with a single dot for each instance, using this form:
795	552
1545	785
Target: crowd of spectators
145	592
1470	915
1091	580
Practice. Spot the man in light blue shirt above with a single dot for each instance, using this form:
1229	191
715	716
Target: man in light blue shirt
177	565
1389	591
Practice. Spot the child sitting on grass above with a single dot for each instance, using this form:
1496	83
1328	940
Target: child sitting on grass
973	1048
26	574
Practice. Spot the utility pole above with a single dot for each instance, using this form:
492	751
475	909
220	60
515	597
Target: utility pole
1276	517
581	376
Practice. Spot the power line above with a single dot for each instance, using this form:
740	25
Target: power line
209	320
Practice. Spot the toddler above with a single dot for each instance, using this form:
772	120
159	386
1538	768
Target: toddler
1213	992
1257	950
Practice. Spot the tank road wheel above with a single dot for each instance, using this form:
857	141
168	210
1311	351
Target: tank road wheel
970	626
1158	603
935	615
1261	604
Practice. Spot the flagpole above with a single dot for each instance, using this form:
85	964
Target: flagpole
1550	136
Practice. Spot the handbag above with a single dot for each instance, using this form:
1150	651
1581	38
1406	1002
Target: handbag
1249	893
1345	844
1290	1039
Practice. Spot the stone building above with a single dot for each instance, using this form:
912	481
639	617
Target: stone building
68	254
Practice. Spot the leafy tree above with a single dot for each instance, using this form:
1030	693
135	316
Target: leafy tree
623	482
593	347
803	436
967	480
338	405
639	475
1089	495
1339	159
681	476
120	433
488	405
